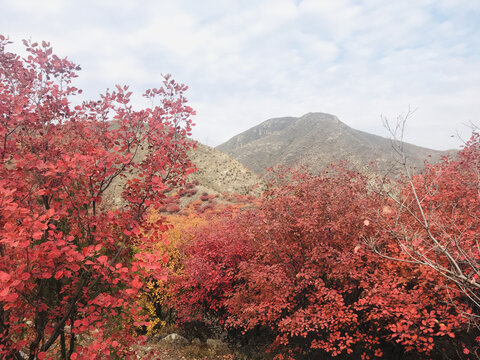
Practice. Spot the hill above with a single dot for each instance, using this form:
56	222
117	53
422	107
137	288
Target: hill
316	140
217	173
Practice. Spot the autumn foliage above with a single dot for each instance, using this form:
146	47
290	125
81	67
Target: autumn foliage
158	301
437	221
296	269
94	247
71	262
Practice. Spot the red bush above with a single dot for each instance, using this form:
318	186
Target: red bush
210	269
172	208
295	264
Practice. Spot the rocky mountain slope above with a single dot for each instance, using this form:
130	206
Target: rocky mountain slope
316	140
218	173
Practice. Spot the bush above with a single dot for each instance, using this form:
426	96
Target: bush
295	265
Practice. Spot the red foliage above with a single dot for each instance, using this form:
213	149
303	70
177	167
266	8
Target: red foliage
172	208
70	264
434	223
295	264
211	266
437	219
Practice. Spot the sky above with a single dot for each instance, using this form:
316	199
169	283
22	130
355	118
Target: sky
246	61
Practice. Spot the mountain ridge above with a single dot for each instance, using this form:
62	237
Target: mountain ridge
315	140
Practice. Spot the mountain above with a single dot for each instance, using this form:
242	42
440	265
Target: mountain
316	140
217	173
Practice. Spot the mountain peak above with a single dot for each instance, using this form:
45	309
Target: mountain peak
319	116
315	139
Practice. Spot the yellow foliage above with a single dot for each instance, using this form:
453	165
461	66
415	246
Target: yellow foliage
156	300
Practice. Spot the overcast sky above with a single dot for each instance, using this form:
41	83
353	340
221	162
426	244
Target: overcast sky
247	61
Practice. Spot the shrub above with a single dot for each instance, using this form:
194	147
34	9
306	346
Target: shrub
295	265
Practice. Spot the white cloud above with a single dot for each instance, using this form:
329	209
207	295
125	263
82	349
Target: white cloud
36	8
246	61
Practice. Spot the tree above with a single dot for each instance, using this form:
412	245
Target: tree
294	266
435	218
158	301
71	263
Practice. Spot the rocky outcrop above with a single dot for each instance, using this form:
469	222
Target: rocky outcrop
174	339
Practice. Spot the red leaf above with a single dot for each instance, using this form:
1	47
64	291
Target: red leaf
4	277
102	259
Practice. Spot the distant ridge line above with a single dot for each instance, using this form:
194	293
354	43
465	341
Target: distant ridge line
316	140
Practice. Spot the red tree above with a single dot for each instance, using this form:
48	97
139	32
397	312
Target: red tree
295	265
211	264
72	263
434	222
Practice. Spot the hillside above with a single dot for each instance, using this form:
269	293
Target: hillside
316	140
217	173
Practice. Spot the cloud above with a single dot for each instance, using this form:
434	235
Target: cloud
37	9
246	61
